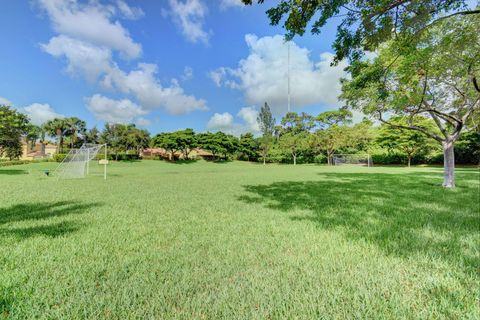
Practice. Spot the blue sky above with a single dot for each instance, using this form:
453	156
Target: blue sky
164	65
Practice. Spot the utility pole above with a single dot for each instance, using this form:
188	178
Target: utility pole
288	76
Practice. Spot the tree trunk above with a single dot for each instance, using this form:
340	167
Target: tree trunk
264	157
448	165
294	159
409	160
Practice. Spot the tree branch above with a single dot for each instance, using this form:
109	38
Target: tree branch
411	127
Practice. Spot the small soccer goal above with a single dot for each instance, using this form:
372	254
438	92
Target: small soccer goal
353	159
89	159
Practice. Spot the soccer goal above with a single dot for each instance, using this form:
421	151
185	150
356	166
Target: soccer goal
84	161
353	159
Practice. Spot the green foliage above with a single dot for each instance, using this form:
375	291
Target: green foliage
59	157
267	125
218	143
364	24
13	125
239	241
248	147
404	141
126	138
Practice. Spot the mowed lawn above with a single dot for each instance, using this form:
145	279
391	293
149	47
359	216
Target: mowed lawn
239	241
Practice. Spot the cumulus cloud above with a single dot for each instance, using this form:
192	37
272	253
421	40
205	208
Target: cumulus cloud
40	113
82	57
114	111
249	116
143	84
225	122
87	38
262	76
5	101
189	16
221	121
91	22
132	13
225	4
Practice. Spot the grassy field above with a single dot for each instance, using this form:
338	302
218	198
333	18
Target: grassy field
239	241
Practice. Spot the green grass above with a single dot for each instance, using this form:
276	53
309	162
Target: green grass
239	241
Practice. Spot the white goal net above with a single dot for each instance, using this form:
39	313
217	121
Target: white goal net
77	162
353	159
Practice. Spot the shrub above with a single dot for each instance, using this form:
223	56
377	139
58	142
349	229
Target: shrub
59	157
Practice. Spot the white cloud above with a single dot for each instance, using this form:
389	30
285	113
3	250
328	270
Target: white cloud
187	73
142	122
92	23
40	113
132	13
5	101
249	116
218	76
143	84
189	15
88	59
225	4
114	111
226	123
221	121
262	76
89	53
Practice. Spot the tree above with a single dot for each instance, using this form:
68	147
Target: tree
218	143
92	136
13	125
267	123
57	127
331	139
74	127
436	78
294	143
166	141
365	24
134	139
408	142
32	134
333	132
186	141
248	147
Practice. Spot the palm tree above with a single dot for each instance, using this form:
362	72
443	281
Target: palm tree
57	127
74	128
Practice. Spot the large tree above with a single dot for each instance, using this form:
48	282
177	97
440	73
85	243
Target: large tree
364	24
408	142
75	127
294	143
248	147
436	78
266	121
57	127
13	125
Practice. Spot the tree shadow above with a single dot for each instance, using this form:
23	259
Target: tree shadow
42	211
13	171
403	214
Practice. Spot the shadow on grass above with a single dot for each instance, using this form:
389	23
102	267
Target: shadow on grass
13	171
42	211
190	161
403	214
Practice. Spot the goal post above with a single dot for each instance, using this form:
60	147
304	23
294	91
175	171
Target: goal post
77	163
353	159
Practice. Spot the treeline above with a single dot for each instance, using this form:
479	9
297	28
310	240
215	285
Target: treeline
296	138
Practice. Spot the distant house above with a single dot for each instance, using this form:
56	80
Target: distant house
37	150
